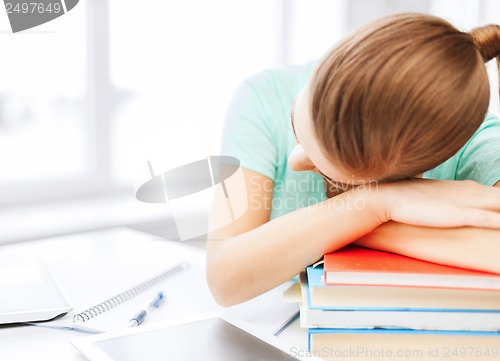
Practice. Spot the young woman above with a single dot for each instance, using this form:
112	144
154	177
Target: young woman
334	153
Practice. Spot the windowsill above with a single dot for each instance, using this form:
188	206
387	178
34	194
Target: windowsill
28	222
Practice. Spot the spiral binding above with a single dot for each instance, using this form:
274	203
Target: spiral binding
114	301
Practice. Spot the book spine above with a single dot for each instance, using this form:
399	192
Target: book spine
402	344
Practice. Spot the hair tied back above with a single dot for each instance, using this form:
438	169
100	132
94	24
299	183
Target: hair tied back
487	40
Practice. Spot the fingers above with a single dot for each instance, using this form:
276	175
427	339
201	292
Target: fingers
484	197
482	218
444	204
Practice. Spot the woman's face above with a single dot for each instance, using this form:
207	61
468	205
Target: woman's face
307	155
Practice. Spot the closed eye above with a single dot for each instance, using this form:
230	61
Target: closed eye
336	184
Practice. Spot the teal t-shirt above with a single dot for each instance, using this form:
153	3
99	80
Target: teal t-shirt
258	132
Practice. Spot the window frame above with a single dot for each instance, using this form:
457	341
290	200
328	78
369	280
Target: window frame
98	105
102	99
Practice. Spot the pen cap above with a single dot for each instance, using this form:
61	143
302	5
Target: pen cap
157	301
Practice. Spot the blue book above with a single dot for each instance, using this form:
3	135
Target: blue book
392	298
344	307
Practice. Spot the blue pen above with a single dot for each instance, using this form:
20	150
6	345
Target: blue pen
141	314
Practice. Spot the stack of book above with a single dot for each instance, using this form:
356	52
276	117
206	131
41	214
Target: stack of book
363	304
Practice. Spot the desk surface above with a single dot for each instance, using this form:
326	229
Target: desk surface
24	342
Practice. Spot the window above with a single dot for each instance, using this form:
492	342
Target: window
87	99
174	71
44	135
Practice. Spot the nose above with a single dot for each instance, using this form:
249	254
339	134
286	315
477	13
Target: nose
298	159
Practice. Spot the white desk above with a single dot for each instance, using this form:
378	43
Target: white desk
24	342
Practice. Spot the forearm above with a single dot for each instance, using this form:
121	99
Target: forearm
247	265
252	256
468	247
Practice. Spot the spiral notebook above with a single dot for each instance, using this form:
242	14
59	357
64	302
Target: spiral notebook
111	313
110	303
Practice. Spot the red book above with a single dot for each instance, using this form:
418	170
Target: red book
353	265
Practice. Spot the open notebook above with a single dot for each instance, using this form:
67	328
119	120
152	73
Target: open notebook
108	288
111	312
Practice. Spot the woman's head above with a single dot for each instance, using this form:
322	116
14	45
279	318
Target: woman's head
395	98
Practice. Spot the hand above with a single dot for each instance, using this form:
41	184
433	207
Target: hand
438	203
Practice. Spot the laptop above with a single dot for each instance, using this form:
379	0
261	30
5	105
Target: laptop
28	290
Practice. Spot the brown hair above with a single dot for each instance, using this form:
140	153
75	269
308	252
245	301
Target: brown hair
401	95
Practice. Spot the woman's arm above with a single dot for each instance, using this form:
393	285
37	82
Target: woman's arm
252	255
468	247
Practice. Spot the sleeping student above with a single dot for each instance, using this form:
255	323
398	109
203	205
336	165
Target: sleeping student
385	141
